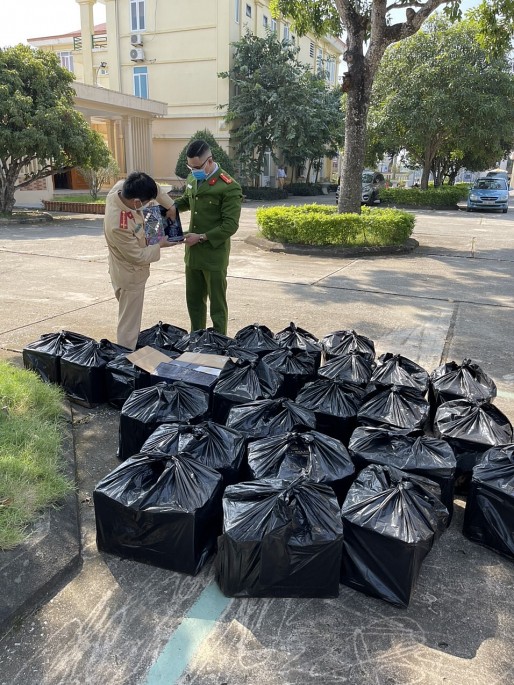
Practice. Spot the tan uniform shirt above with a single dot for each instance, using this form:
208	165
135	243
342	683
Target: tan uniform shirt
129	255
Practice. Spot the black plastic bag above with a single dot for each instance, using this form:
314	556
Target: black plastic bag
148	408
194	341
314	455
489	516
122	378
164	511
467	381
222	449
44	355
280	539
396	406
256	338
83	370
297	368
394	369
162	335
390	520
269	417
241	382
345	342
295	338
422	455
471	428
335	404
354	367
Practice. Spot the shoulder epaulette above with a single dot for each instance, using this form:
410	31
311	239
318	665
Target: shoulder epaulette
226	178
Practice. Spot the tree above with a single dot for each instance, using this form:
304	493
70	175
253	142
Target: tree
265	77
368	32
218	153
280	105
96	178
41	133
314	128
439	96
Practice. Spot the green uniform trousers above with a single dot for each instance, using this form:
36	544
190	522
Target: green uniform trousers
201	285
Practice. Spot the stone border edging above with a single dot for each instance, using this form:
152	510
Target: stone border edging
330	251
77	207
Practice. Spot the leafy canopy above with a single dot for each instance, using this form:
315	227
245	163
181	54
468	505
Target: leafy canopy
440	96
38	122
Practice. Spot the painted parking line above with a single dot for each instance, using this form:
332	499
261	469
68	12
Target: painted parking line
506	395
198	622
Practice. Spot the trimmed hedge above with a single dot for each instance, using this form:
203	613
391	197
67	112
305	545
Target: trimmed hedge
322	225
304	189
264	193
444	196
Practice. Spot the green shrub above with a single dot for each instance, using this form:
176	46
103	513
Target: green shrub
322	225
264	193
304	189
444	196
218	153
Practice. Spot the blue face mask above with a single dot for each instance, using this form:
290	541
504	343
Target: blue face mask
199	174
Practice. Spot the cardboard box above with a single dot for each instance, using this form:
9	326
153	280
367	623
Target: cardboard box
198	369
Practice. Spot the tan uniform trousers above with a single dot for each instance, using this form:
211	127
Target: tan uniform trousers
130	312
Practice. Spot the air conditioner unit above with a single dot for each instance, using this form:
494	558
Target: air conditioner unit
136	39
137	55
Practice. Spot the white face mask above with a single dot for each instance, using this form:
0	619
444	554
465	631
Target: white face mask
141	205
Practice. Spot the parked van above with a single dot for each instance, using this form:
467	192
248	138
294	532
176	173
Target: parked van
372	183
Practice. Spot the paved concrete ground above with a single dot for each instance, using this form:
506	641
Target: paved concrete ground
120	622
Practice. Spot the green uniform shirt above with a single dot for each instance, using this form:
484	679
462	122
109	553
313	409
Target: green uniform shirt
215	206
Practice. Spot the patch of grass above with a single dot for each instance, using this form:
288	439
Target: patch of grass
79	198
31	466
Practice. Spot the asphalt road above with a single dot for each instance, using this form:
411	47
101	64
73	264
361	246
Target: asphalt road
124	623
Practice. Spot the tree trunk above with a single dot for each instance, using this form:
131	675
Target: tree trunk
8	177
357	106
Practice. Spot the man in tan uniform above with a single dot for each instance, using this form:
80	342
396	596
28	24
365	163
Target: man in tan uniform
129	255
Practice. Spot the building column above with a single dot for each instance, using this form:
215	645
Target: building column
129	144
87	31
113	45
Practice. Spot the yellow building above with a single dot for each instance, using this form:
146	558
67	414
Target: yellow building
172	52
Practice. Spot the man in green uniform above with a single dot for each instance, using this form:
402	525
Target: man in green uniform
214	199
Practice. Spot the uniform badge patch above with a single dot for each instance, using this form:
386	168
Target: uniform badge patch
213	181
123	220
225	178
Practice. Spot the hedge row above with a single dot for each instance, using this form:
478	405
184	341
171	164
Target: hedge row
444	196
264	193
322	225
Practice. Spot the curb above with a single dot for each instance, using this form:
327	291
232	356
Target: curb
29	218
330	251
51	556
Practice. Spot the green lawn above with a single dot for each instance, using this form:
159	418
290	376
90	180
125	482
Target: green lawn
79	198
31	463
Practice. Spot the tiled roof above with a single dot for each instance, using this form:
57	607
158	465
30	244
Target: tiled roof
99	29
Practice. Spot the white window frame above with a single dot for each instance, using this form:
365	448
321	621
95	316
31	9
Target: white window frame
274	25
237	11
331	68
66	60
140	80
248	11
287	32
319	60
135	20
265	21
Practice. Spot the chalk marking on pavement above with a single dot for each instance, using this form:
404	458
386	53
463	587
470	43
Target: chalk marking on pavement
198	622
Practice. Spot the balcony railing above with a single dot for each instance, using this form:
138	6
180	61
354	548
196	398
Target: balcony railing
96	42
